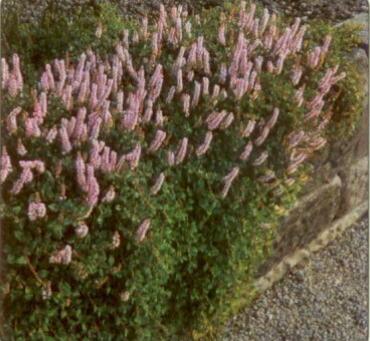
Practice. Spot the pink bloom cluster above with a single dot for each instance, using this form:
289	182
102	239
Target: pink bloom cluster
158	184
142	230
116	240
27	174
317	55
11	80
109	195
202	149
96	95
36	210
159	137
87	181
63	256
6	165
228	180
82	230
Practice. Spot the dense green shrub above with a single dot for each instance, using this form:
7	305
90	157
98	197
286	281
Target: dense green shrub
81	262
57	31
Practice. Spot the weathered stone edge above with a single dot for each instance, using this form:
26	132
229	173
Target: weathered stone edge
290	261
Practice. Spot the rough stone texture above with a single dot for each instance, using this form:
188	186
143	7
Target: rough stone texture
325	298
361	19
336	229
355	185
340	183
128	8
328	10
306	220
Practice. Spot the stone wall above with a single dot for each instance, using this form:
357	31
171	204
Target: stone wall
336	197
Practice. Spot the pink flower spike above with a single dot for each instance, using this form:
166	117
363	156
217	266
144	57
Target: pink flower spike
244	156
273	119
50	76
159	119
202	149
4	73
171	94
261	159
179	86
227	121
36	210
82	230
51	134
63	256
228	180
262	138
120	98
32	127
264	20
6	165
21	149
157	142
205	81
221	35
181	151
81	172
196	94
134	157
223	73
116	240
294	138
214	120
171	158
93	189
185	98
142	230
109	195
148	111
158	184
17	71
11	121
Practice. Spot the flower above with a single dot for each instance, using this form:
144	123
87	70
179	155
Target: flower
6	165
82	230
228	180
244	156
261	159
158	184
214	120
46	291
249	128
116	240
142	230
181	151
202	149
63	256
109	195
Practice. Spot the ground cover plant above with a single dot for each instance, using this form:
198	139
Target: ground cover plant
142	184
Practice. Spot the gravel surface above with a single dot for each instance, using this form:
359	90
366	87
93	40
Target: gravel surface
324	299
328	10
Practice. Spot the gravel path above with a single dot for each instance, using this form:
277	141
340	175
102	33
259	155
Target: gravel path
324	299
328	10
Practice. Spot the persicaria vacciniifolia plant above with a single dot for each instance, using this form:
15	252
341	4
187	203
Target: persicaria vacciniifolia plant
135	186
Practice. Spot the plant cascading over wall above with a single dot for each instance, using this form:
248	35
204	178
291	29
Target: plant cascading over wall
119	174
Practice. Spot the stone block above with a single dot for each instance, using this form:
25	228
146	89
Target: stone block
355	185
312	214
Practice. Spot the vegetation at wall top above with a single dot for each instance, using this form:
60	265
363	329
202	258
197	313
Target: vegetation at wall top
145	164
